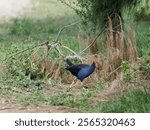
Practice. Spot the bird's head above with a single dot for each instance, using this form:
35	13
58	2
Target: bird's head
98	62
94	64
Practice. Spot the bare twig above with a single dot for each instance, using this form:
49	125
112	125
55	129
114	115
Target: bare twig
59	51
72	24
70	50
93	41
113	72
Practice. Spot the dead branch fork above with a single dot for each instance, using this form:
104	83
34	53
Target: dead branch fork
51	45
57	45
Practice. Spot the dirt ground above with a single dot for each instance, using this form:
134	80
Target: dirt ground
11	106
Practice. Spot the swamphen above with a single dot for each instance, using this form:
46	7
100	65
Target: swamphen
80	71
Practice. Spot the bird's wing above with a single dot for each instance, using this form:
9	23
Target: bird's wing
74	69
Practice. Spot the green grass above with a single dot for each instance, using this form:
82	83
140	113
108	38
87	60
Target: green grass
141	28
36	98
22	33
133	102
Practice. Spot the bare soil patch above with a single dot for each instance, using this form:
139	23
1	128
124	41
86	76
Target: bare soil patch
2	68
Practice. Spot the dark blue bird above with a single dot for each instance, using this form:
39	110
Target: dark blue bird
80	71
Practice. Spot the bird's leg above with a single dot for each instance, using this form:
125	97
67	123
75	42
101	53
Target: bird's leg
81	84
72	83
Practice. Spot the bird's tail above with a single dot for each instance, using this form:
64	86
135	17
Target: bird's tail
69	62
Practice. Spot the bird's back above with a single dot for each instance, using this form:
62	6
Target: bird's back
74	69
81	71
85	72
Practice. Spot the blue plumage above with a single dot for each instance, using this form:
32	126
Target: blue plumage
81	71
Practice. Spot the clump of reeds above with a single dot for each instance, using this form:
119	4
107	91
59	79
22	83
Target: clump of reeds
118	50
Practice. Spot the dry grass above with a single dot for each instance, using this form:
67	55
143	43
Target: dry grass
93	49
47	67
118	50
131	48
85	40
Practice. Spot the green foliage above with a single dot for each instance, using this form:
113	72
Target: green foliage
97	12
27	27
142	37
136	101
39	29
67	98
22	27
36	98
145	65
22	71
142	15
24	33
64	98
128	72
21	66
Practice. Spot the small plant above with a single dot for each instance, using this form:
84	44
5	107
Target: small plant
146	64
64	98
22	27
22	71
142	15
37	97
21	65
128	72
145	68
